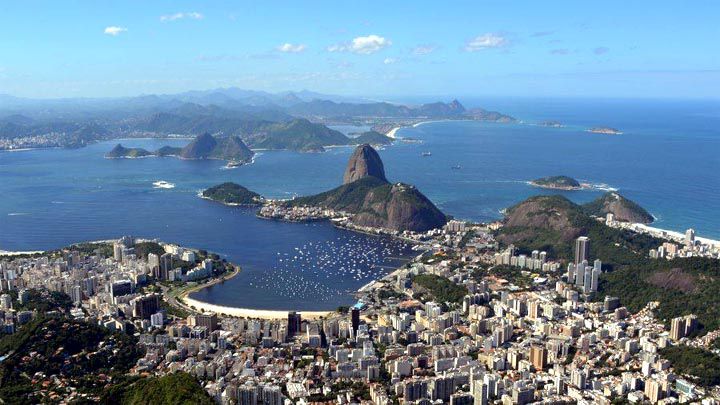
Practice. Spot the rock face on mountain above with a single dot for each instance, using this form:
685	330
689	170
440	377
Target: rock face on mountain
555	216
233	149
205	146
622	209
365	161
372	138
374	201
120	151
200	148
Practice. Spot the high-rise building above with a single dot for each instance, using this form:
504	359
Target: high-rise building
120	288
461	398
677	328
480	393
294	323
442	388
653	391
690	237
209	321
582	249
157	319
538	357
117	251
144	307
355	319
166	264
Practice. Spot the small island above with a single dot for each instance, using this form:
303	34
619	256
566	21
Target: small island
205	146
604	130
371	138
232	194
558	183
551	124
121	152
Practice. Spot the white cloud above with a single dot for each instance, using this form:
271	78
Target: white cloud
179	16
362	45
114	31
486	41
291	48
389	61
424	49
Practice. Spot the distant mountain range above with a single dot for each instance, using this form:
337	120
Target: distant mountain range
289	120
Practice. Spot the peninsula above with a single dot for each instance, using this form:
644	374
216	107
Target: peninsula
365	200
622	209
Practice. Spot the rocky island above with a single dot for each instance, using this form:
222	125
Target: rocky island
365	200
551	124
604	130
204	146
232	194
371	138
557	183
120	152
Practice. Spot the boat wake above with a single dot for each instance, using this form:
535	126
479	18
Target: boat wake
601	187
163	184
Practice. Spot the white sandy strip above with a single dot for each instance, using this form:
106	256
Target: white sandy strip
391	133
675	234
249	313
30	252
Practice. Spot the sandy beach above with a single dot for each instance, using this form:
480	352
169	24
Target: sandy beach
391	133
248	313
202	306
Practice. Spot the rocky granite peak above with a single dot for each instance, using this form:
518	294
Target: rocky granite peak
364	162
623	209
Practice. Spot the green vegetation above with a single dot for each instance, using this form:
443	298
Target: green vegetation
622	208
73	351
552	223
378	203
348	197
298	134
143	249
560	182
168	151
682	286
431	287
702	365
231	193
43	301
358	391
99	248
170	389
120	151
513	275
372	138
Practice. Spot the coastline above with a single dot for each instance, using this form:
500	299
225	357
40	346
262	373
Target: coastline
184	301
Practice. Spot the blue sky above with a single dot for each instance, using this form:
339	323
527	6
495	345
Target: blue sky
382	49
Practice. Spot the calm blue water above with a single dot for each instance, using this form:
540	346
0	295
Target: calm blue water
667	160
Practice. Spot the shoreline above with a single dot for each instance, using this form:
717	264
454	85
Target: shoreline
193	304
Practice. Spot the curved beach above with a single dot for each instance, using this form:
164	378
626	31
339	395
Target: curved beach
202	306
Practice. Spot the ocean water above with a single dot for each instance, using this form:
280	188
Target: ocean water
667	160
